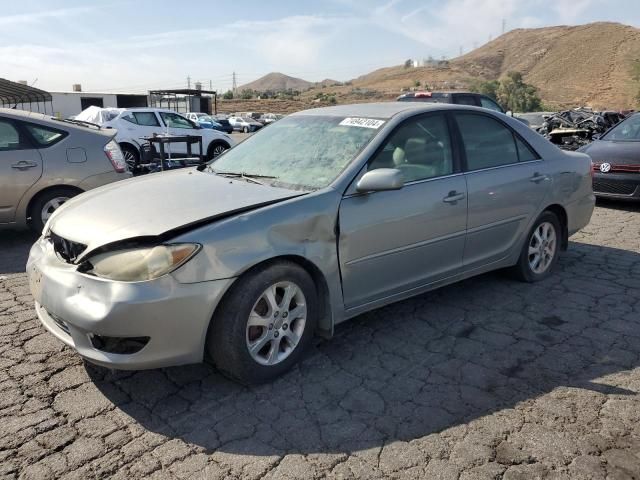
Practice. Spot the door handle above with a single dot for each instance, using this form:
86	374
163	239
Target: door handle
23	165
537	178
453	197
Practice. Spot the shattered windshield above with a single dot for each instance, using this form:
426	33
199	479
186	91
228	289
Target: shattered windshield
300	152
629	130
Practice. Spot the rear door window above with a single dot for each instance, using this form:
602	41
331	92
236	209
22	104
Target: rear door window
466	100
147	119
11	138
487	142
490	104
173	120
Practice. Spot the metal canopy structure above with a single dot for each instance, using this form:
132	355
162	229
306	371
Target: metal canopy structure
13	94
182	99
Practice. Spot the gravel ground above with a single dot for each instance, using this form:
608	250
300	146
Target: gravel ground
489	378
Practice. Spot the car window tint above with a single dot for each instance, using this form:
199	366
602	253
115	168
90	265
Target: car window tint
43	135
148	119
10	137
466	100
525	153
487	143
175	121
129	118
491	105
420	149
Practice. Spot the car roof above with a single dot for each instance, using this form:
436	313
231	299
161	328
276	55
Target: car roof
24	114
382	109
53	121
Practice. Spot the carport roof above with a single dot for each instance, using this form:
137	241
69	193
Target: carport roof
15	93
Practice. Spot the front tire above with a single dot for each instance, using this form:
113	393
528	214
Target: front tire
264	324
216	149
245	129
46	203
541	249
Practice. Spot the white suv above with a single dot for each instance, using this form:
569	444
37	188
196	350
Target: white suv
134	123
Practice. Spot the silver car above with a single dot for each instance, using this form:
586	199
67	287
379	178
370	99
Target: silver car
45	161
326	214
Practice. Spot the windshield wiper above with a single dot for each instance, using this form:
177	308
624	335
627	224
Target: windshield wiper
247	176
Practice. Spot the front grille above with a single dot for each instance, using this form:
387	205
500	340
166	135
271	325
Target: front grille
618	188
66	249
621	168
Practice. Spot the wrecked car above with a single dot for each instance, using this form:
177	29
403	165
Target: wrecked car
326	214
572	129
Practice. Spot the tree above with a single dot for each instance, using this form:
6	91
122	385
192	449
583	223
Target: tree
511	92
490	88
417	83
635	74
246	94
408	63
228	95
517	96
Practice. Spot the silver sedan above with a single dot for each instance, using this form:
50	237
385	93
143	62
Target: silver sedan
324	215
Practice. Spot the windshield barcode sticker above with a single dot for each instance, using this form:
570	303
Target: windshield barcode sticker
362	122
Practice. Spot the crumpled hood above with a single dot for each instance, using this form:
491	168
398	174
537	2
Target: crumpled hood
156	203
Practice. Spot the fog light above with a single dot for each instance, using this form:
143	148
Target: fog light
119	345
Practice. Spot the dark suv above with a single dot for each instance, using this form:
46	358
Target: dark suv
460	98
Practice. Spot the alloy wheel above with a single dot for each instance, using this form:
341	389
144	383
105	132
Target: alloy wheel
543	246
276	323
51	206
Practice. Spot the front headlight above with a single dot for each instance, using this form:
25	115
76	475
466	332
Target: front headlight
141	264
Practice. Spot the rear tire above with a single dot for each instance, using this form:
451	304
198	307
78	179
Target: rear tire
46	203
254	339
245	129
540	250
131	156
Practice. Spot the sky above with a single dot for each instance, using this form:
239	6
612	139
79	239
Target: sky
137	45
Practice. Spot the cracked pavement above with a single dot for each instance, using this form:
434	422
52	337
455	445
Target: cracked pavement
488	378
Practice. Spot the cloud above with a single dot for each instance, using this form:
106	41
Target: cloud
17	20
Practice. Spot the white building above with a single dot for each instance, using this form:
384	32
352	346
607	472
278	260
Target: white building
66	104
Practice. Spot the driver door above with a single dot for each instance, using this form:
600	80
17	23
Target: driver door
392	242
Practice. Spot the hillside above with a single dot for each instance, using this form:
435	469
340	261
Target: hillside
276	82
570	65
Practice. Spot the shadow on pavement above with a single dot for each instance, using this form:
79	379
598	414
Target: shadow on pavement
14	250
413	368
627	205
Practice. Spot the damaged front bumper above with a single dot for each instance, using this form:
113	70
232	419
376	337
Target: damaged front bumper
123	325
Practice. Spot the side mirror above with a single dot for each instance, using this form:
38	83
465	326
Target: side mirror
381	179
596	136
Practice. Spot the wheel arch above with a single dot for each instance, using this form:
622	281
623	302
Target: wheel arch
213	143
131	145
560	212
45	190
325	316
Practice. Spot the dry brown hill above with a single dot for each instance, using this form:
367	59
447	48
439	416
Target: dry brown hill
570	65
276	82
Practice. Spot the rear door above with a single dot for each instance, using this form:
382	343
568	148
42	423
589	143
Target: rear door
395	241
20	166
506	184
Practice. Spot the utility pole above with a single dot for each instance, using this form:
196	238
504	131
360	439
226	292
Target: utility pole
210	85
475	45
234	88
460	50
188	81
504	25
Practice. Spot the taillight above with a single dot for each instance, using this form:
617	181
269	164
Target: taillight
114	154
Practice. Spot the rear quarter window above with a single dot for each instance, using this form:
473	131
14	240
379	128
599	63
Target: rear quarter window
45	136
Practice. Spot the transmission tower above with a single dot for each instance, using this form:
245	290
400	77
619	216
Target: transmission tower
234	88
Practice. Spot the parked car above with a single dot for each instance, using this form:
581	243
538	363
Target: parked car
535	120
134	123
245	124
224	122
269	118
205	120
324	215
457	97
45	161
616	160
